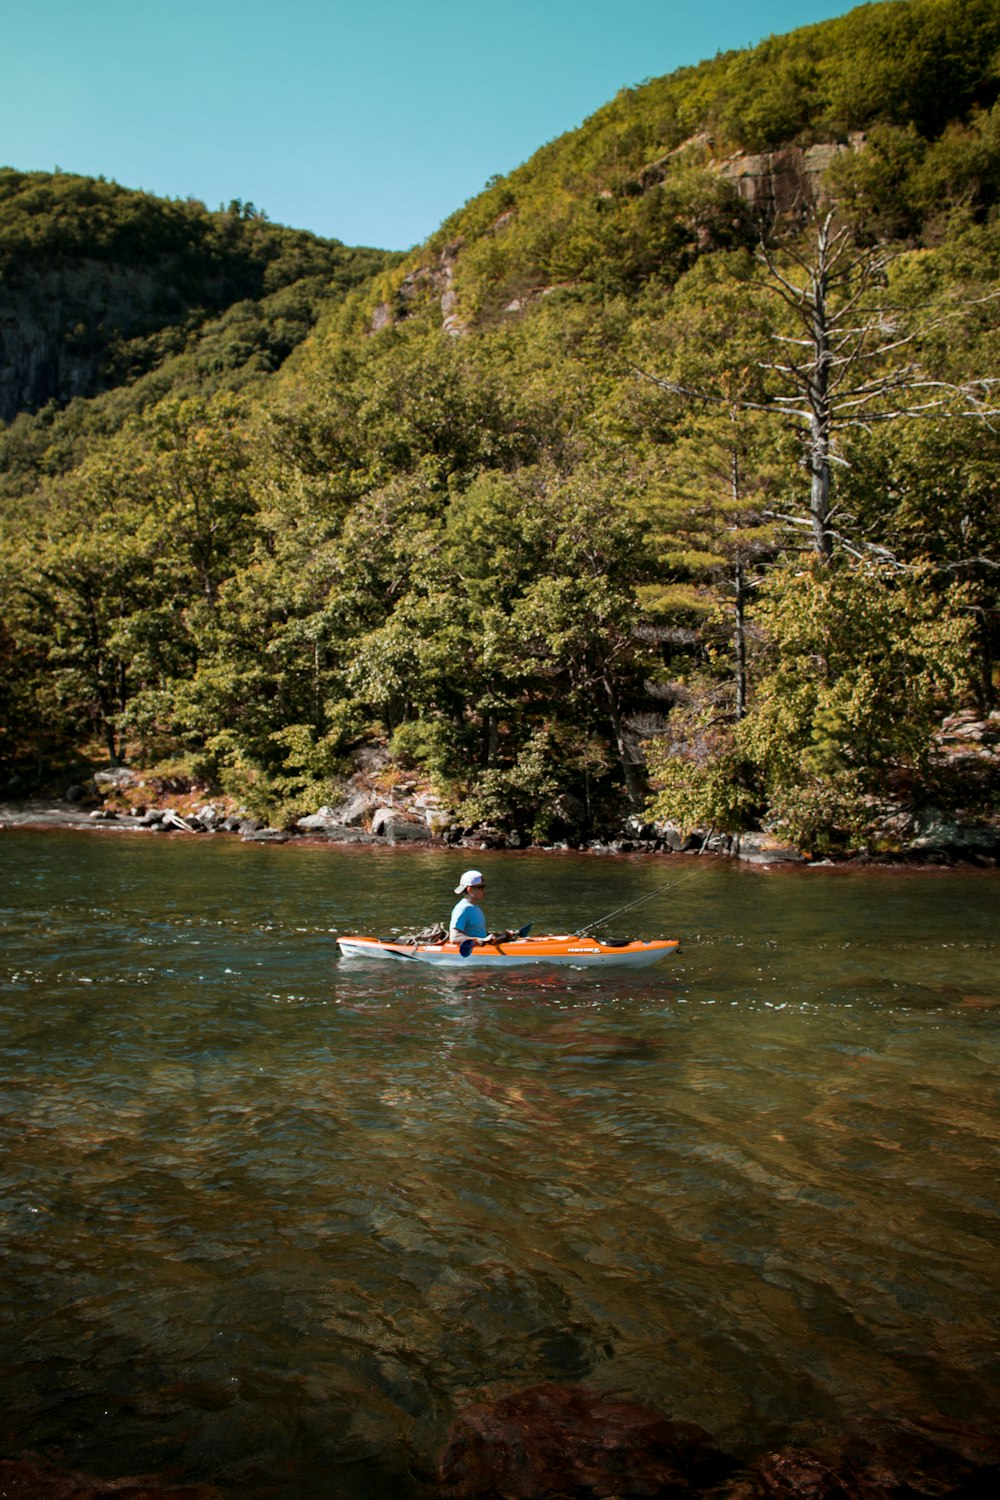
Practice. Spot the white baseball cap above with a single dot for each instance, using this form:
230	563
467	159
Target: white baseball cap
471	877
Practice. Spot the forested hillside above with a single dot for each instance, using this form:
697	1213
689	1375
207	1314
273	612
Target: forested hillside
106	290
661	479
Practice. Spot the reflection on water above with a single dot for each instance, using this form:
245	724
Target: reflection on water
268	1217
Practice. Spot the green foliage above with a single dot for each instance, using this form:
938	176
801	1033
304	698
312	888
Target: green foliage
309	772
856	664
903	180
859	660
823	813
701	778
435	746
525	795
59	217
922	62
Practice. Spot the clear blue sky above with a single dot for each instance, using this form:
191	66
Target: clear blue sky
366	120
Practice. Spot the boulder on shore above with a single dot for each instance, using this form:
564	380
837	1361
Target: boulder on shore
934	832
390	824
322	819
116	780
765	849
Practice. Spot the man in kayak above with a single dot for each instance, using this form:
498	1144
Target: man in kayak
467	919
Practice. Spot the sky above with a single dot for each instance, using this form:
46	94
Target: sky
367	121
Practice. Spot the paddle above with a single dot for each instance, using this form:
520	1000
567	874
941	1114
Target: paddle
466	946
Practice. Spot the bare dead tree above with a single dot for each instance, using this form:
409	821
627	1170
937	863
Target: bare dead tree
848	363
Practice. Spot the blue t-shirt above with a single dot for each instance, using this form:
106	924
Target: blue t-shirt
468	918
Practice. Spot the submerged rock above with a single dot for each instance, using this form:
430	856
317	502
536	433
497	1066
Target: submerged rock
556	1440
24	1479
892	1463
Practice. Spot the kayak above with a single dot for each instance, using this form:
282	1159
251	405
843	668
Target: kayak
577	952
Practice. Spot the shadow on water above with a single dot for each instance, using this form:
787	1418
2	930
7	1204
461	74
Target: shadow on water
269	1218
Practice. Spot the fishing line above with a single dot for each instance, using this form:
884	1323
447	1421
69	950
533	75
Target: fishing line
657	891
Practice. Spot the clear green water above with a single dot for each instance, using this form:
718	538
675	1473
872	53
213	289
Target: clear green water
268	1218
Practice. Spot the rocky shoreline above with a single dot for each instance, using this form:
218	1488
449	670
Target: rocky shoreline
934	840
379	804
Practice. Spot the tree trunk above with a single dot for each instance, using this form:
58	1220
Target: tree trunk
634	783
111	742
819	498
818	397
739	627
740	644
491	739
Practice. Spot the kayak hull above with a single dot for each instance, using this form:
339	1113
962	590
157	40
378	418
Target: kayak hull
574	952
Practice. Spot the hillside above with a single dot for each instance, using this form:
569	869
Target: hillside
103	289
548	510
892	104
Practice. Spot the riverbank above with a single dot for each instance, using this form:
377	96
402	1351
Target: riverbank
381	803
936	841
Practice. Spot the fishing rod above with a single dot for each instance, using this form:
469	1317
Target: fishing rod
658	891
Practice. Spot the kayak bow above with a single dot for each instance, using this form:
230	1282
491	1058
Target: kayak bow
571	950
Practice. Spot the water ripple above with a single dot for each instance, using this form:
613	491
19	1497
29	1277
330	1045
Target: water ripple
261	1209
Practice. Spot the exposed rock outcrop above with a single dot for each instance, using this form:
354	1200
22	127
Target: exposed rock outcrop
427	282
777	183
773	183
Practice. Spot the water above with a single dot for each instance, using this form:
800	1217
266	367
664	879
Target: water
268	1219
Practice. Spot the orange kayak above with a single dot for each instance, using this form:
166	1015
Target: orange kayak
576	952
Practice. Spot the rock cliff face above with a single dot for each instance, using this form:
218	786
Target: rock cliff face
101	284
773	183
60	325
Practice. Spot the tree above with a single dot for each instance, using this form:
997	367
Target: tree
847	362
808	749
857	660
83	586
851	363
929	491
717	470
